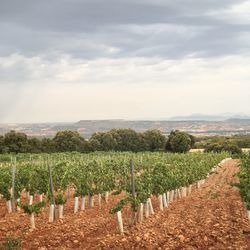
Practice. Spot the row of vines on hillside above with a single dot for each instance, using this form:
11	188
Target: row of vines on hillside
136	177
244	177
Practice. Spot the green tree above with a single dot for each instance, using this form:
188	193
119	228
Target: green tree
48	145
178	142
1	144
108	141
217	147
154	140
69	141
16	142
192	138
95	145
127	140
35	145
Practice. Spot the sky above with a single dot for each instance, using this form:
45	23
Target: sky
70	60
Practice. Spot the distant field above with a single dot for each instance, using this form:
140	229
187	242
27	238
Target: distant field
194	150
245	149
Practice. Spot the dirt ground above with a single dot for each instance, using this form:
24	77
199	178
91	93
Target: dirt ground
212	217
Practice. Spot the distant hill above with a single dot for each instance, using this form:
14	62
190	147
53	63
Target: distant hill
202	117
86	128
239	120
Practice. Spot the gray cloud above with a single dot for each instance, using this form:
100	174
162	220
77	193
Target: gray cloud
76	15
76	59
116	28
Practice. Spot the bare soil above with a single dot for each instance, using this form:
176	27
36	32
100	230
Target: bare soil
212	217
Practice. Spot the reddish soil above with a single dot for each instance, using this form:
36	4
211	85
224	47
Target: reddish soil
212	217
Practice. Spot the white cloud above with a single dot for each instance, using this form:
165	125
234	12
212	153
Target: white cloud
237	13
65	61
135	88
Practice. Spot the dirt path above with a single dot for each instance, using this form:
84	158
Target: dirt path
210	218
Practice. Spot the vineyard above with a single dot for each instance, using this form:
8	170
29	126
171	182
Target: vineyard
244	185
132	186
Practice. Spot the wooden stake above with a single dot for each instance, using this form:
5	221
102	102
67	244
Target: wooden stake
151	209
133	188
146	209
61	211
160	202
83	203
40	197
120	223
32	221
9	207
13	183
31	200
51	190
51	213
76	205
179	193
171	196
189	189
164	200
106	196
28	196
17	207
140	217
99	199
91	201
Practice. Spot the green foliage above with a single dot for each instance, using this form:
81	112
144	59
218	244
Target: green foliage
225	146
155	140
35	181
120	205
11	243
2	146
16	142
178	142
48	145
134	202
160	173
242	141
34	145
5	182
60	199
244	176
118	140
99	172
95	143
68	141
128	140
193	140
34	208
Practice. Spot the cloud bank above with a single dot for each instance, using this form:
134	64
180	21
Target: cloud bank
74	59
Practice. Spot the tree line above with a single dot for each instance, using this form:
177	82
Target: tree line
242	141
113	140
216	144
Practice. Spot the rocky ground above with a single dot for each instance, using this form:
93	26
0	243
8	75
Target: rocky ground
212	217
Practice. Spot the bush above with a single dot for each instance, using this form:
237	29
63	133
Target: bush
226	146
244	176
178	142
11	243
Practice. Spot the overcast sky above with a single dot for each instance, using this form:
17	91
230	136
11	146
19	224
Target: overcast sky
66	60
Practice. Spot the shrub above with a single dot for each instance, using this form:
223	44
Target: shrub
178	142
11	243
226	146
